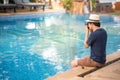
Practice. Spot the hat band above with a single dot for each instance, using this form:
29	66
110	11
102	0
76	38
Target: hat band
94	20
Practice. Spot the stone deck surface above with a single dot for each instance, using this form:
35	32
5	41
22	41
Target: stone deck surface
110	72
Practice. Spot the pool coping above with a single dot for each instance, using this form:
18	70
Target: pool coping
78	73
27	16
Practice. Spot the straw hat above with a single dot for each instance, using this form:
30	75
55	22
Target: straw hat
93	18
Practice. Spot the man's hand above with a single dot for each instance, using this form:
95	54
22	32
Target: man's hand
86	36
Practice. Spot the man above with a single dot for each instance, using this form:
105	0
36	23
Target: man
96	41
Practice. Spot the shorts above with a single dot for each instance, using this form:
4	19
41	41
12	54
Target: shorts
88	62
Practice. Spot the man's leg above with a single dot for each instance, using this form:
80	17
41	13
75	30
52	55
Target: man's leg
87	61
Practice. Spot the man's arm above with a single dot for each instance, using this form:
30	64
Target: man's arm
86	38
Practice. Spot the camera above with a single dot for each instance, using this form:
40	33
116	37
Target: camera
86	23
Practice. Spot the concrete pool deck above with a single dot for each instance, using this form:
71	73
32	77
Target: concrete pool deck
111	71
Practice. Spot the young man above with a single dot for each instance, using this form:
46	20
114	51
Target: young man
96	39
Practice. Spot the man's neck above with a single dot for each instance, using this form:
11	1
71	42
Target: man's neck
95	28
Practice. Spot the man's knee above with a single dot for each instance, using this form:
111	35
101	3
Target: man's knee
74	63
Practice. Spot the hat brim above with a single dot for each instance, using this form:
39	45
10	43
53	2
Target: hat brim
91	21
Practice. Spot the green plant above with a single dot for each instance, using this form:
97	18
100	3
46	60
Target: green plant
1	1
11	1
67	4
32	0
93	3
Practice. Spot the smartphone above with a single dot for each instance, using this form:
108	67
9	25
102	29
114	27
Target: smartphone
87	26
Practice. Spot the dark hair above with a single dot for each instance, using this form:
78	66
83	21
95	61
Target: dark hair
96	23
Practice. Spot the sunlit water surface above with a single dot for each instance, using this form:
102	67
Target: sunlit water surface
34	47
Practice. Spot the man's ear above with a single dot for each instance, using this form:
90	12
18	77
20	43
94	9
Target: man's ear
91	24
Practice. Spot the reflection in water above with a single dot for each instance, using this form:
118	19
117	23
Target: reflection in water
57	41
30	25
116	19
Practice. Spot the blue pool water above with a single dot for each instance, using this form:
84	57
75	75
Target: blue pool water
37	46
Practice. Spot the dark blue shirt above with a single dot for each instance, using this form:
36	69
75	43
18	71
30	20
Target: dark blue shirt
97	41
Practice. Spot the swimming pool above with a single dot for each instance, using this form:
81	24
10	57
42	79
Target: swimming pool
37	46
